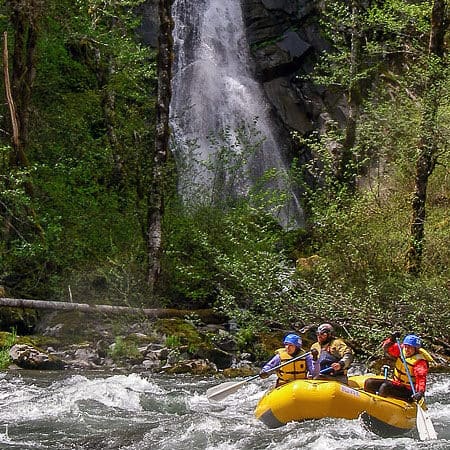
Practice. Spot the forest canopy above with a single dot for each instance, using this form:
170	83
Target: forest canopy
77	178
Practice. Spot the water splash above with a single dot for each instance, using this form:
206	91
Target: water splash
215	94
30	402
54	411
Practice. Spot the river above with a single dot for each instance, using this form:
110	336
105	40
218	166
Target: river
136	411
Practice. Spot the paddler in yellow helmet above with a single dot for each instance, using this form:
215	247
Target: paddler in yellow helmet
297	370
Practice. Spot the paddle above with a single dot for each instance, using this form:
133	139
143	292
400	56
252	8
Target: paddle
326	370
223	390
423	422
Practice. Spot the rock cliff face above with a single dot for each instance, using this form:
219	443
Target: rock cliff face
285	41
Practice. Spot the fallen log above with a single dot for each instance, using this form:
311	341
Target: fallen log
206	315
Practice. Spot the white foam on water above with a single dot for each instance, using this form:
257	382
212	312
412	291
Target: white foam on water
438	387
20	402
439	410
208	425
134	412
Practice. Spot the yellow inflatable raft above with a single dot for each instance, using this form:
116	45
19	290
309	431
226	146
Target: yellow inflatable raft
316	399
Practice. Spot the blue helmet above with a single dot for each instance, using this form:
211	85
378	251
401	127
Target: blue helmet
413	341
293	339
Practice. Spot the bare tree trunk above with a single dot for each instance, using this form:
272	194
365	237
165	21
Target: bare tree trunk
24	17
156	193
9	97
206	315
100	61
104	68
427	147
109	106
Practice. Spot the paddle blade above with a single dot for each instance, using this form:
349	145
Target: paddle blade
424	425
223	390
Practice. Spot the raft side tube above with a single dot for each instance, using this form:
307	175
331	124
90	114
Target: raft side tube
268	419
315	399
381	428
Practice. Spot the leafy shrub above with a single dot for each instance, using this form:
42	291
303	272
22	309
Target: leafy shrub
173	341
124	349
6	345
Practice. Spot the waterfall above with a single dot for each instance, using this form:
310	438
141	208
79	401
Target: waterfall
214	91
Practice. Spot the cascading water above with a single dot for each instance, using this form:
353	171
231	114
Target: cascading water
214	94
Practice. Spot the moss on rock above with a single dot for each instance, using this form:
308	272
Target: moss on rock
186	333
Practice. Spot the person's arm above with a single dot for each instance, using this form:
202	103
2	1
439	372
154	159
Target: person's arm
315	351
391	348
347	359
274	362
310	366
345	353
420	372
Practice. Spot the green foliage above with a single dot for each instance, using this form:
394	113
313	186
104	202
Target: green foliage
217	179
124	349
22	320
91	163
222	238
7	342
173	341
390	31
211	249
240	259
88	61
360	282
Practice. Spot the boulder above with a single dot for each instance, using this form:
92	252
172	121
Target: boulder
193	366
28	357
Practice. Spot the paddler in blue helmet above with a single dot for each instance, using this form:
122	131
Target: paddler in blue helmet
332	355
297	370
417	360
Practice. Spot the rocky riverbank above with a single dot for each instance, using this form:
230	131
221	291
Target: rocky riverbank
74	340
